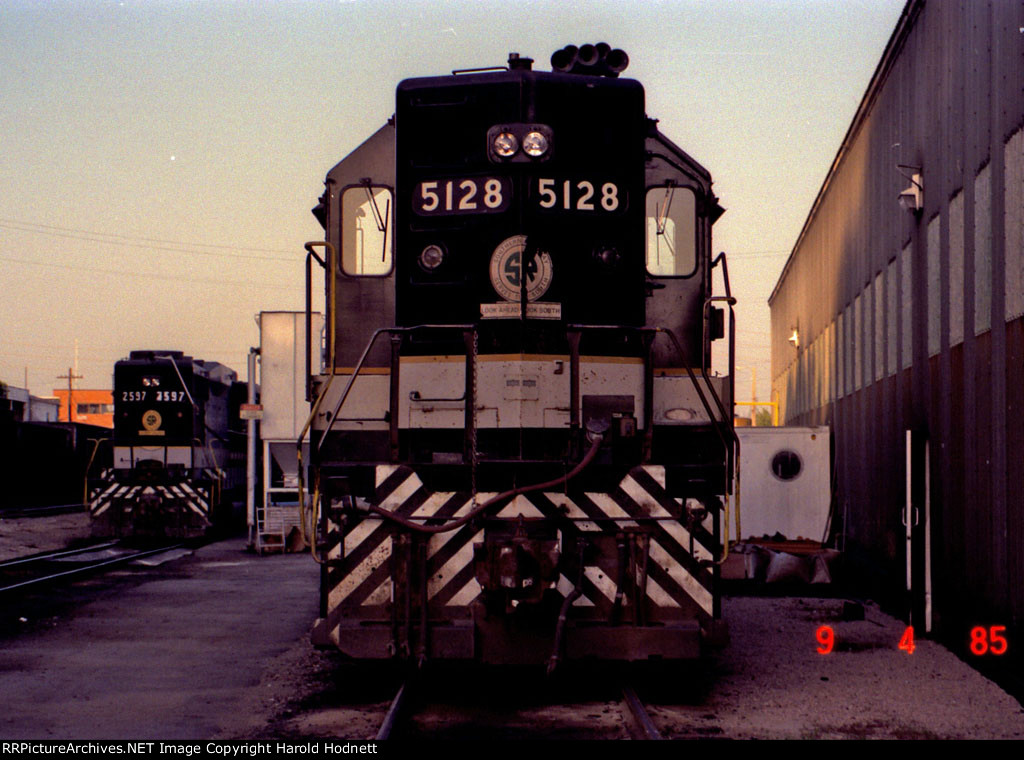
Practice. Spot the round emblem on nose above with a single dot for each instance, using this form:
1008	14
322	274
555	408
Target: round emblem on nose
507	270
151	420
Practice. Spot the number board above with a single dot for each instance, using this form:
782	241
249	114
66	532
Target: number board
462	195
159	396
576	194
488	195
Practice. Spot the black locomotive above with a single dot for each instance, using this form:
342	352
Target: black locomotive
178	449
518	452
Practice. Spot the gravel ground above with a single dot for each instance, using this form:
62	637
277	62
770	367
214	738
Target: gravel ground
769	683
30	535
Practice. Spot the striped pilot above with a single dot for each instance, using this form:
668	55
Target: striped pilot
177	450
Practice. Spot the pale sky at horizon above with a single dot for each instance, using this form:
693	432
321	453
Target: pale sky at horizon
158	160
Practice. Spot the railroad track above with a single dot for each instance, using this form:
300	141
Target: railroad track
396	710
23	573
11	513
402	708
641	719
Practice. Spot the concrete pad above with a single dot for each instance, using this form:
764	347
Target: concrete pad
169	656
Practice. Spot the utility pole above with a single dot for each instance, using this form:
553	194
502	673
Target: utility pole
753	396
70	377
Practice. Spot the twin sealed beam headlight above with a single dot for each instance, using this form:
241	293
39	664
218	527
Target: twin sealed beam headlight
519	142
506	144
535	144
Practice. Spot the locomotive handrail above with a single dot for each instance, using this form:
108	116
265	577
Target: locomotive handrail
328	267
686	366
362	360
732	451
721	258
217	483
88	466
734	462
311	254
310	536
733	444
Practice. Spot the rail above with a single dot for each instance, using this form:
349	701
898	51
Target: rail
89	567
415	694
46	556
395	713
49	510
646	728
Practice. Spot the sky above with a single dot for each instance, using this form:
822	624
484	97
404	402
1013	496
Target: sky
159	158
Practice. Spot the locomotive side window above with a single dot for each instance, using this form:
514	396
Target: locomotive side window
366	230
671	231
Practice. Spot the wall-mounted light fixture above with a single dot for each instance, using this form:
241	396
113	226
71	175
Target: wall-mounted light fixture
912	199
795	338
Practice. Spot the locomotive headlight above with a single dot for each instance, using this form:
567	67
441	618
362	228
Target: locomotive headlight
505	144
431	257
535	144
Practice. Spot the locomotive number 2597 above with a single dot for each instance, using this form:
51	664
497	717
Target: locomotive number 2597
160	395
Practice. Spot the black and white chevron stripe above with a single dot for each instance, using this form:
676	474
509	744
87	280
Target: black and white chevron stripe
359	567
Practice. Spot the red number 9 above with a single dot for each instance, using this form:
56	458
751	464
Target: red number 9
827	638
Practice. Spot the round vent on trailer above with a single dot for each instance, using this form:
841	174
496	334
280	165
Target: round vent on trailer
786	465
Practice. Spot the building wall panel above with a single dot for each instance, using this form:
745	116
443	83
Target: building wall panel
934	264
922	324
983	251
1013	191
956	269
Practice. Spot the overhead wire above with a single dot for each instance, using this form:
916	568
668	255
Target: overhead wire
152	275
132	241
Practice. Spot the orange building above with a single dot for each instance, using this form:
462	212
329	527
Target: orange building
92	407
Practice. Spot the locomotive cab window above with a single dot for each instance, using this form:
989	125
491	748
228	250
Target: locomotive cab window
671	231
366	223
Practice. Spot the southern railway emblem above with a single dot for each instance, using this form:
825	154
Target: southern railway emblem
507	266
151	420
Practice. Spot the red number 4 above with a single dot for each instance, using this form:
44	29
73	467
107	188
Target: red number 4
907	642
988	642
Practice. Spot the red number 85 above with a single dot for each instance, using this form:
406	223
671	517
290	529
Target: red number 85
988	642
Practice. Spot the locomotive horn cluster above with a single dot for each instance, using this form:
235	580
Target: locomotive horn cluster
595	60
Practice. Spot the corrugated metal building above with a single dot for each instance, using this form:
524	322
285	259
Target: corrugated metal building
911	319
